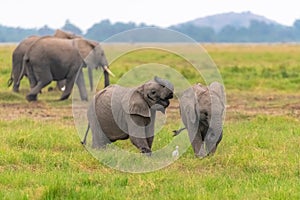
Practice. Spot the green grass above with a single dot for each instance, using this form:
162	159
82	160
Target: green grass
252	162
41	156
258	67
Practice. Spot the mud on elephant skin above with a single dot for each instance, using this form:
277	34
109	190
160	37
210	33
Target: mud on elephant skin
119	113
202	109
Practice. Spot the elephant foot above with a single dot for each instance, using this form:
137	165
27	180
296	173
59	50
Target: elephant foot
16	90
64	97
31	97
84	99
146	151
199	156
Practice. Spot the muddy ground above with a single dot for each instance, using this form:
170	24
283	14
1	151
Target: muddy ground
238	106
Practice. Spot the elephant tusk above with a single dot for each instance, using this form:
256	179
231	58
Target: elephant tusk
108	71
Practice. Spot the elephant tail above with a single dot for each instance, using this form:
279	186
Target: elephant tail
176	132
85	136
10	81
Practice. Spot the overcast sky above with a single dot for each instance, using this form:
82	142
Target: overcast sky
163	13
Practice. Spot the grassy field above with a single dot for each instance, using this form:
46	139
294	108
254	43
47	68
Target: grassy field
41	156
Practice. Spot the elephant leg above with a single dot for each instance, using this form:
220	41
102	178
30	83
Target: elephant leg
32	95
150	141
32	81
99	139
150	133
16	85
90	72
141	144
150	129
139	132
69	86
81	86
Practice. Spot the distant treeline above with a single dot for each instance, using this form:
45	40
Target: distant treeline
256	32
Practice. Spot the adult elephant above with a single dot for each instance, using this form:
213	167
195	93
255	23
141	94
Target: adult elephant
19	52
51	58
118	113
202	109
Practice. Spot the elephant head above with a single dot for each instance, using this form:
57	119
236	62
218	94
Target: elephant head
93	56
154	95
141	103
202	111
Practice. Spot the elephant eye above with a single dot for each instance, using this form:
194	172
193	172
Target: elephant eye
153	92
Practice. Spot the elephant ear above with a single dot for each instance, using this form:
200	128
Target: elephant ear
218	89
188	106
137	104
85	47
214	133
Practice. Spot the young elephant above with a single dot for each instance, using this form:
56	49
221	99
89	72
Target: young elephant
202	109
119	113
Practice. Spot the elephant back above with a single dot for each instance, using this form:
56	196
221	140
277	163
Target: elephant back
50	49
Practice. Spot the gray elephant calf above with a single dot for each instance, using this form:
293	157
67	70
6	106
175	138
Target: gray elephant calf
202	109
119	113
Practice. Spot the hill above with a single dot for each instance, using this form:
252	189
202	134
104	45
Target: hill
237	20
225	27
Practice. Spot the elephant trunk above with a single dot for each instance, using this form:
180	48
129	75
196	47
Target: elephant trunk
106	78
107	72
